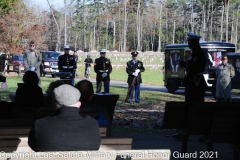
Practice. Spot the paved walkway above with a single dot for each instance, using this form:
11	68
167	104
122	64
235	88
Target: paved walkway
154	88
165	141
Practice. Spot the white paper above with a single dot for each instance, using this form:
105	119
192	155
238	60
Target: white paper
4	85
32	69
104	75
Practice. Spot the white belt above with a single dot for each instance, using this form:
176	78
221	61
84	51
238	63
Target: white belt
67	67
103	70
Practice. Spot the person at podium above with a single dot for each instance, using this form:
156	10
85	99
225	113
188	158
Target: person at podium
67	63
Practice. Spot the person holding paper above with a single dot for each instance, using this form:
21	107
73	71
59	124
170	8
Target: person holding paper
103	68
134	69
32	60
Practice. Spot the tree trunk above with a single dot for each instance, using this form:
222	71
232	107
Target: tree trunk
138	26
58	32
192	19
84	27
173	28
65	23
227	11
76	42
166	41
125	26
236	38
114	35
211	36
141	31
204	21
160	29
222	24
94	35
107	34
119	30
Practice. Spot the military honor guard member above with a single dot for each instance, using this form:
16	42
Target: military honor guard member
194	82
225	72
134	69
103	68
67	63
32	60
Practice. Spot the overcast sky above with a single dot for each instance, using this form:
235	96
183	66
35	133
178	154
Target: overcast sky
43	4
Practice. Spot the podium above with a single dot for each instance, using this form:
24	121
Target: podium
108	101
65	77
2	78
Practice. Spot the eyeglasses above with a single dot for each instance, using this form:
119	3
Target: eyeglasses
32	45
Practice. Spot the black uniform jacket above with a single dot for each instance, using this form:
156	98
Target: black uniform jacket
195	66
67	130
88	60
102	64
131	67
67	63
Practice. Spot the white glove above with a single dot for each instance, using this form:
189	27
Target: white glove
32	69
104	75
135	74
137	70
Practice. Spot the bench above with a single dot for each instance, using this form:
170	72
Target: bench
155	154
15	139
198	120
225	129
175	115
107	143
15	132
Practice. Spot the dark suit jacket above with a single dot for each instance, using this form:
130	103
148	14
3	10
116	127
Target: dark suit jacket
29	95
65	131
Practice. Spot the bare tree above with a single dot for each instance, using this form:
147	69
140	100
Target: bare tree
125	26
58	32
227	12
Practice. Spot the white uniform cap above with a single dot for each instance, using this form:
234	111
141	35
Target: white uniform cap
66	47
102	50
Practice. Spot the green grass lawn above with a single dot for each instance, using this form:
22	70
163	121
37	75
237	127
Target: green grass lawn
153	77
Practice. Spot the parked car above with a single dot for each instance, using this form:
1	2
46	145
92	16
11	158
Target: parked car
18	59
49	63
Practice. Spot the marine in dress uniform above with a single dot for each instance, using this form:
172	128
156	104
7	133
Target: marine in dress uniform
134	69
194	82
103	68
32	60
225	72
67	63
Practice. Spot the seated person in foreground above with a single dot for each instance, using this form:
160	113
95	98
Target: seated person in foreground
48	100
29	94
89	107
67	130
